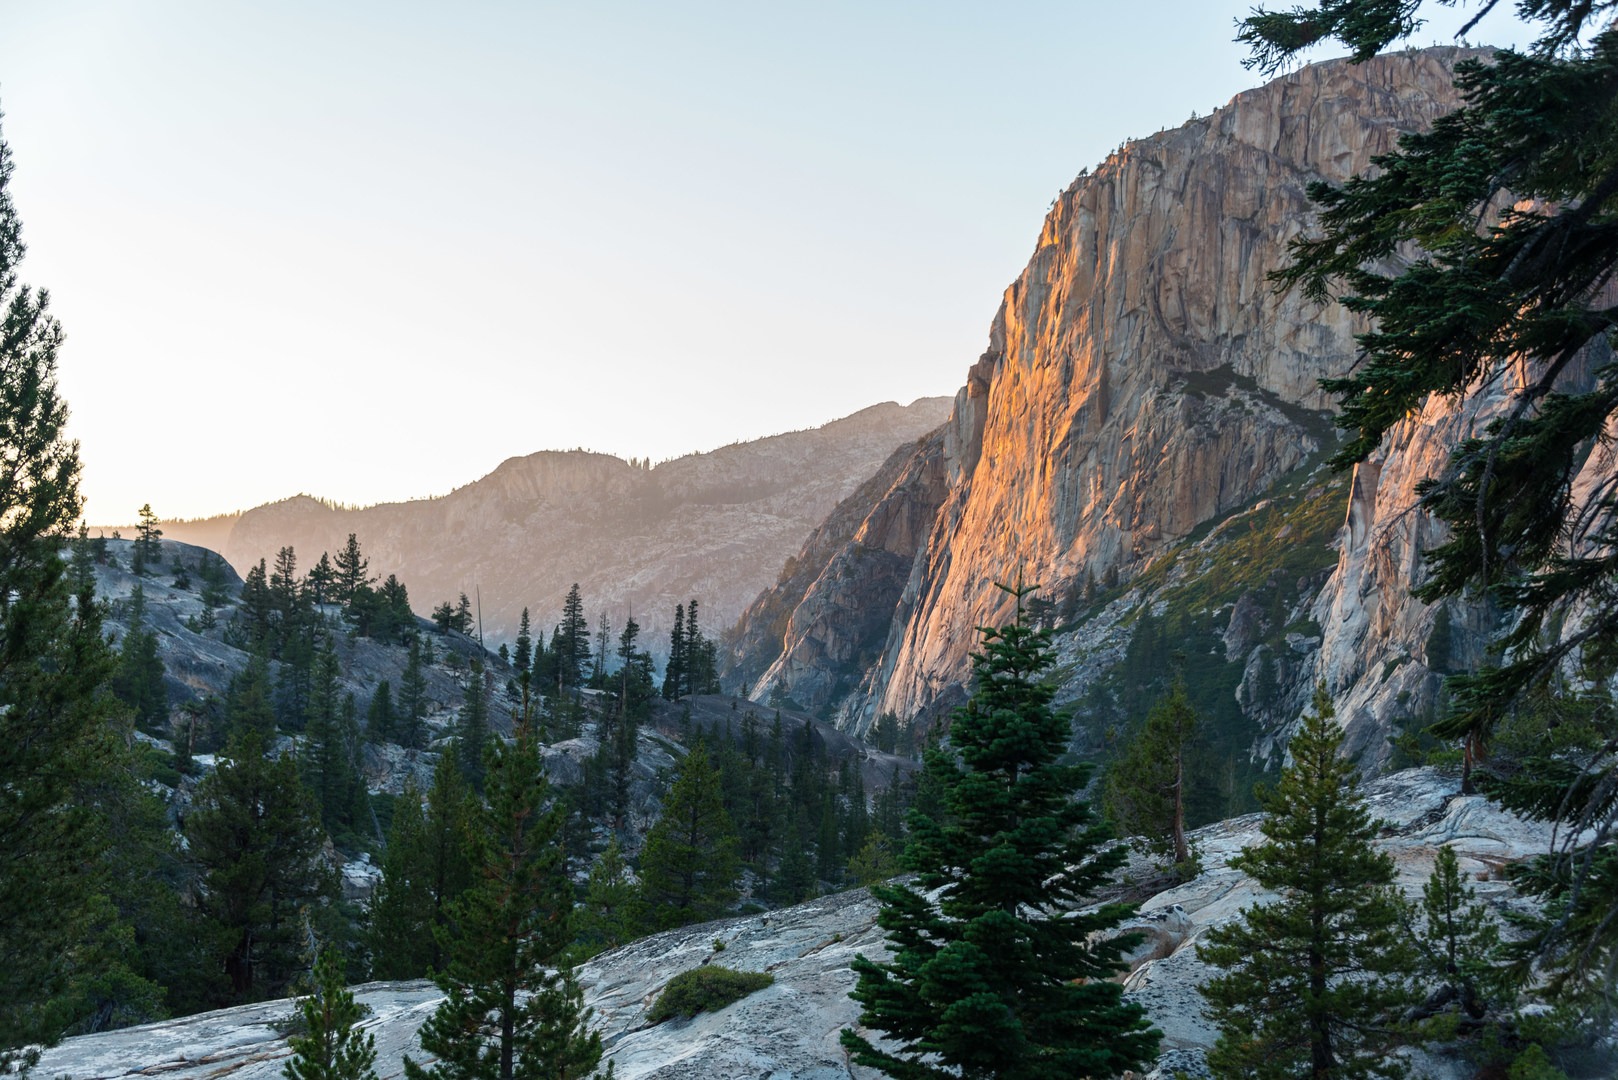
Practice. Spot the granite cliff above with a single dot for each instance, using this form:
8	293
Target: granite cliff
1146	409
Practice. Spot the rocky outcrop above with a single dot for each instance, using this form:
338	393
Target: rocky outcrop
635	537
791	1028
827	618
1142	379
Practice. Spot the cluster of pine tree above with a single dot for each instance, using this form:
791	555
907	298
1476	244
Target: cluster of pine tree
692	666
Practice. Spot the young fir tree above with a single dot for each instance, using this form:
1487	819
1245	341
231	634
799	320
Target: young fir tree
1459	946
425	868
1146	786
331	1046
999	978
512	1006
688	866
254	832
611	903
1314	983
138	681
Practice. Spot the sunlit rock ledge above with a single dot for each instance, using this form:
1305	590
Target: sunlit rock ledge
789	1030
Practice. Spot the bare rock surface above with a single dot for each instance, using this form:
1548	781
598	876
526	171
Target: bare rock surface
1141	377
1143	384
789	1030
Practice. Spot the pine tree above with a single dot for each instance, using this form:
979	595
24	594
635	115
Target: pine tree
885	737
257	610
148	546
688	866
247	700
611	903
999	978
522	657
215	581
286	598
1314	983
398	929
331	1045
700	669
1511	303
674	671
138	681
413	697
573	636
321	582
380	722
55	743
331	750
1145	791
512	1005
254	831
424	870
351	567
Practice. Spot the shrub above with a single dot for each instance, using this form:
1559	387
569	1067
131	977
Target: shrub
705	989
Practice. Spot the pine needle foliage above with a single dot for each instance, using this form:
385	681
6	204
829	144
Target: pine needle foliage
1315	982
513	1010
689	864
1146	787
998	976
331	1045
1484	252
52	662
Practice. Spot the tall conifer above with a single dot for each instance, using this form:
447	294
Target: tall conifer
999	977
513	1008
688	866
1315	982
54	739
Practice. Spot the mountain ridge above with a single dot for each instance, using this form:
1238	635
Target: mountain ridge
636	537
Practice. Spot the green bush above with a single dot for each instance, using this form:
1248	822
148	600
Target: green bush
705	989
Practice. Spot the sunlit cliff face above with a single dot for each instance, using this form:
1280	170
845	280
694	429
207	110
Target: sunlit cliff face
1142	376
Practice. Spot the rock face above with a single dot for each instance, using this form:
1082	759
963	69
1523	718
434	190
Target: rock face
790	1029
1142	382
715	526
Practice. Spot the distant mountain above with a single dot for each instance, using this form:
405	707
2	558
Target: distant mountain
716	526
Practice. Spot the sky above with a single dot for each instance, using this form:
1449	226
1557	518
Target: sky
368	251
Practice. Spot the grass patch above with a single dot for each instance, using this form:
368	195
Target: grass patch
708	988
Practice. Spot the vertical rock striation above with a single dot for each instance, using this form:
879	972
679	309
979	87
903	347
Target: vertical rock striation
1142	380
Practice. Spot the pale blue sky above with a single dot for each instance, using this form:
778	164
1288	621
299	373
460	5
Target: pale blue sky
369	250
